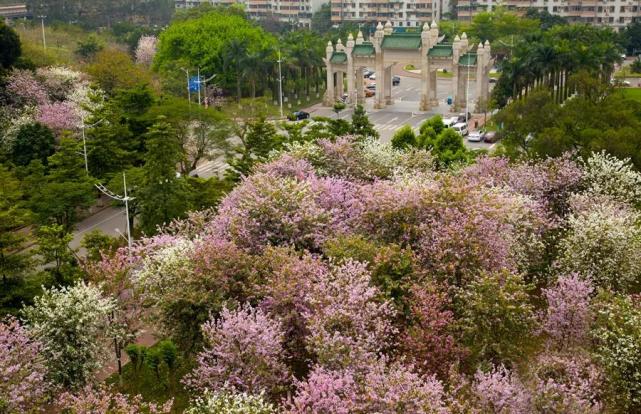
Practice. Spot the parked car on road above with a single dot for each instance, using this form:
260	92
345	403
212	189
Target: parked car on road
476	136
369	93
396	80
367	73
461	128
490	137
371	86
372	76
299	115
461	117
448	122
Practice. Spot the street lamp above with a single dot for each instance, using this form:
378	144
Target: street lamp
84	141
124	199
42	18
280	85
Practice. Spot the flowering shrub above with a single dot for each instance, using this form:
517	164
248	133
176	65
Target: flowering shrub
610	176
428	340
23	384
347	324
26	89
59	81
231	403
244	353
617	333
603	242
500	391
568	314
60	116
103	401
381	388
566	384
73	326
146	50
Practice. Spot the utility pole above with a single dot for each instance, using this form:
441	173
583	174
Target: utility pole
280	85
199	86
84	141
124	199
42	18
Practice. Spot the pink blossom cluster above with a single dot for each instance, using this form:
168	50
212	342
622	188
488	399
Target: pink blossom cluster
568	316
24	87
381	387
91	400
146	50
59	115
243	352
23	373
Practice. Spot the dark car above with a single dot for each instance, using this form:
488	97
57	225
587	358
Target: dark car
299	116
461	117
492	80
371	86
396	80
491	137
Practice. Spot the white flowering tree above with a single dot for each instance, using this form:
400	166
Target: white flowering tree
610	176
146	50
74	326
603	242
231	403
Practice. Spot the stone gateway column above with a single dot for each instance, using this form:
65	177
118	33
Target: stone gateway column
360	86
379	101
425	68
329	97
388	85
351	72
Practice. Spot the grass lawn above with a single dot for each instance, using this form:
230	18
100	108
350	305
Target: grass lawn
154	385
631	93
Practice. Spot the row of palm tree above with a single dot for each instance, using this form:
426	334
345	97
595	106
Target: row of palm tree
550	58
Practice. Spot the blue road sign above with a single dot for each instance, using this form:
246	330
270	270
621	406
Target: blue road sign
194	85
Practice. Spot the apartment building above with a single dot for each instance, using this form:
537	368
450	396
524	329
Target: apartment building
614	13
401	13
297	12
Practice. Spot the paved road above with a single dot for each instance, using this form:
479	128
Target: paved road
405	111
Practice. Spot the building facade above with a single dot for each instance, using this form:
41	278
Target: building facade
400	13
295	12
614	13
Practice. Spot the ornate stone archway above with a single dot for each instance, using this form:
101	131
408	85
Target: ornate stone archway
425	50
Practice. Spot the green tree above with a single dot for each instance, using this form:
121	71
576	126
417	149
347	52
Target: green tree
10	49
64	190
404	138
53	248
188	43
88	48
448	148
361	124
435	123
33	142
13	215
97	243
257	138
114	70
496	317
163	194
631	38
322	19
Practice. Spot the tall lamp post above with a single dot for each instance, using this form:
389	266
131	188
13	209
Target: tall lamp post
42	18
280	85
84	141
124	199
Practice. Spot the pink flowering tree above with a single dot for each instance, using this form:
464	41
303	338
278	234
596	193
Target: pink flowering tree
382	387
567	317
146	50
567	383
244	352
59	116
428	341
348	324
500	391
23	383
267	209
104	401
325	392
26	89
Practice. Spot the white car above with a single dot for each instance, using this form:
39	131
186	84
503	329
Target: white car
461	128
449	122
475	136
372	76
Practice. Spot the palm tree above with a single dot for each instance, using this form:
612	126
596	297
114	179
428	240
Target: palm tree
235	56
